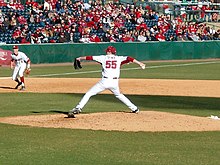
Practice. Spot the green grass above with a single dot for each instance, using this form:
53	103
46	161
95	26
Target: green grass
25	145
38	103
40	146
158	70
29	145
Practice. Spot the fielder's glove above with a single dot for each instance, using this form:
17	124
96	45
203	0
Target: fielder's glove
28	71
77	64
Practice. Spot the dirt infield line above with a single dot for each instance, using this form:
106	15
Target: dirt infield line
198	88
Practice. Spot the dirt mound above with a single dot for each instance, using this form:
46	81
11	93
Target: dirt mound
147	121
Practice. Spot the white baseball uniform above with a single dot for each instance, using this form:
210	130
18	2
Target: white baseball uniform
20	64
110	78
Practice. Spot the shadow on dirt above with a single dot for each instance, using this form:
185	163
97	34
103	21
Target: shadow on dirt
6	87
50	111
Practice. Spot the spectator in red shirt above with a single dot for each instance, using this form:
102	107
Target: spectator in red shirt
142	25
94	38
160	36
192	28
22	20
17	33
127	38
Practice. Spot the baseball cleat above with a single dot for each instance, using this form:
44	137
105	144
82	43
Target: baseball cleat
19	84
71	115
135	111
75	111
22	88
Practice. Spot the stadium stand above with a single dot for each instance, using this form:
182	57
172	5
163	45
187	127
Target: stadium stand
96	21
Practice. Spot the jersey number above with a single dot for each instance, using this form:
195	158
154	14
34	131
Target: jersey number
111	64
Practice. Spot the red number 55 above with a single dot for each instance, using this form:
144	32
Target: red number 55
111	64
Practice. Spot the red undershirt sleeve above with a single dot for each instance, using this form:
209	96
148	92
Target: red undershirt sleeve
129	59
89	58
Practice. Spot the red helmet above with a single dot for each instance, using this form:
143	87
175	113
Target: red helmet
15	47
111	49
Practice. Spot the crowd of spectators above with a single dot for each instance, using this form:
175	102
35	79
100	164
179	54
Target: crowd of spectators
72	22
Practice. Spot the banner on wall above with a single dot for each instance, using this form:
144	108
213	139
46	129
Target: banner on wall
5	57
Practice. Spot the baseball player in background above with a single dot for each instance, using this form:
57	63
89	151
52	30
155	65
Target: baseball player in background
111	64
20	63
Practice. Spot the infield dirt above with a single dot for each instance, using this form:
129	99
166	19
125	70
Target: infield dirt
120	121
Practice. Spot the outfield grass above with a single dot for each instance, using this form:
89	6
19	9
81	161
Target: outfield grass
23	145
40	146
154	70
38	103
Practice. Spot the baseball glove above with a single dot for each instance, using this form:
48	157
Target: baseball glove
28	71
77	64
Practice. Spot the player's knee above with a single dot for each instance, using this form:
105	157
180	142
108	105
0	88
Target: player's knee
21	75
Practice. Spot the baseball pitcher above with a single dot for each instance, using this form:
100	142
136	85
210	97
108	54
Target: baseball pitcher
20	63
111	64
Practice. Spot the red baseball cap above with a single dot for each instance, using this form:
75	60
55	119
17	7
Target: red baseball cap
15	47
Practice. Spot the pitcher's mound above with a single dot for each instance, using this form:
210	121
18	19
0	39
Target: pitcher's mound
149	121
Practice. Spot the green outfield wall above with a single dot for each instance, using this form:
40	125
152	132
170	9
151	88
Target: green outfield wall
59	53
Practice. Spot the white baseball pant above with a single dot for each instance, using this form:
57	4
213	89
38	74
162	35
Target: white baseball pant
103	84
19	71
